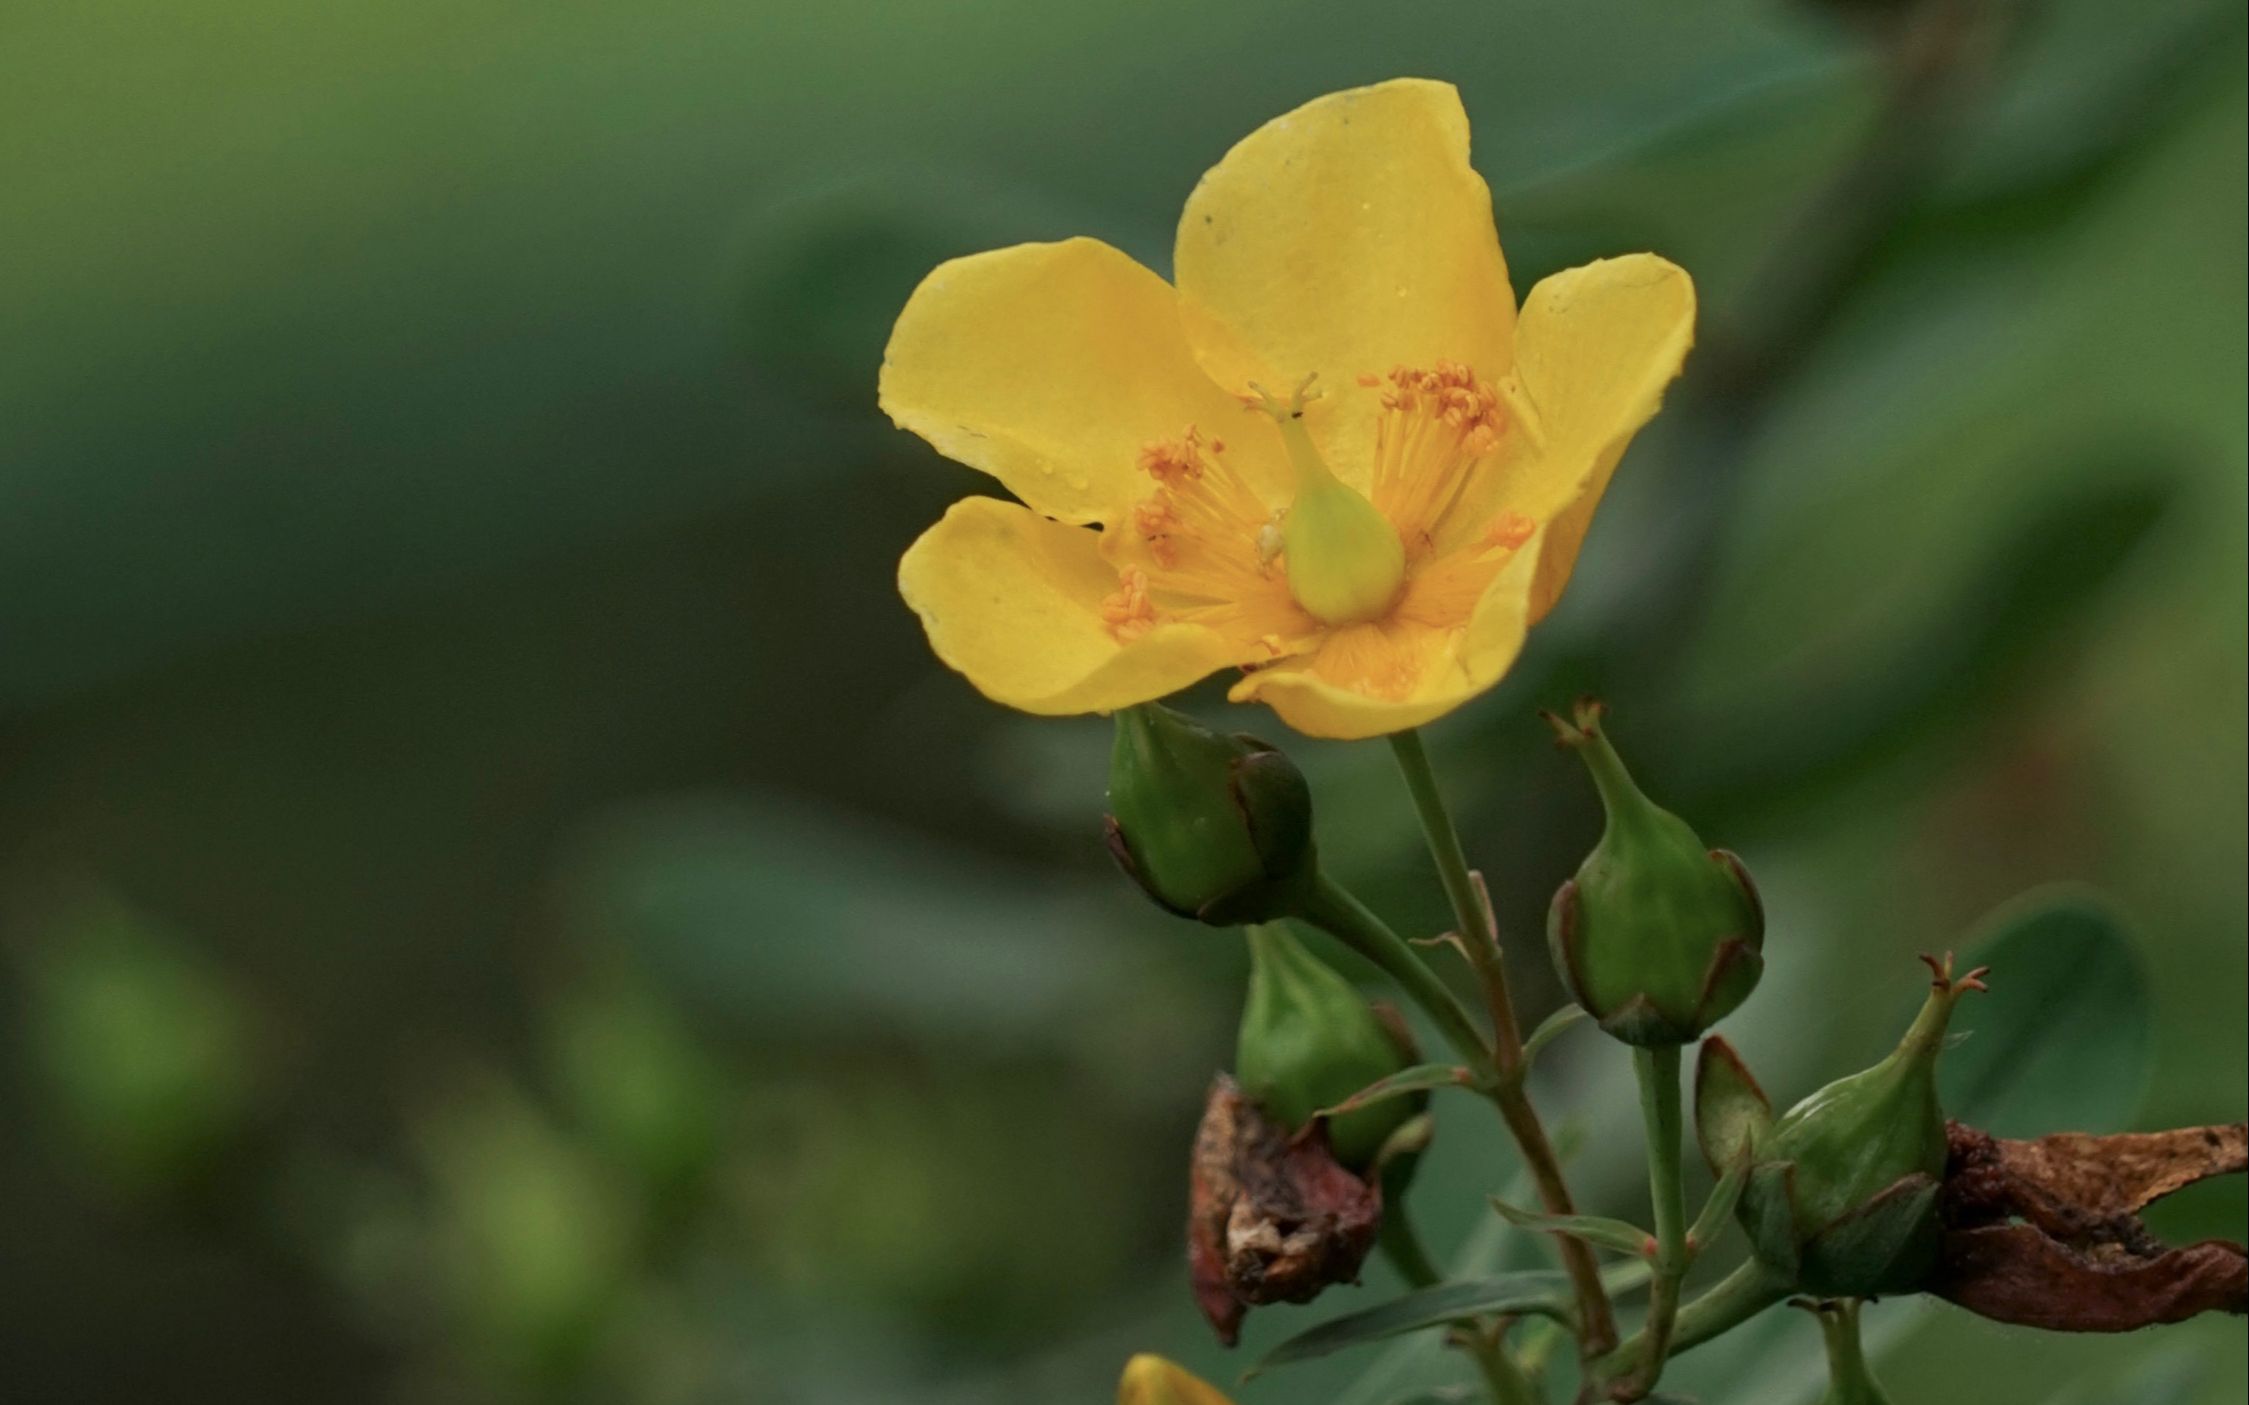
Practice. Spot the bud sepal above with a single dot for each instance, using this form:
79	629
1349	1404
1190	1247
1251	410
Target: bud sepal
1732	1114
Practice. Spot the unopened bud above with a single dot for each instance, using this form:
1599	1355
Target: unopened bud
1658	936
1842	1194
1309	1040
1212	826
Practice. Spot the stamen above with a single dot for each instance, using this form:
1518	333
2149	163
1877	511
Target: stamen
1368	582
1156	519
1437	427
1193	550
1508	531
1127	610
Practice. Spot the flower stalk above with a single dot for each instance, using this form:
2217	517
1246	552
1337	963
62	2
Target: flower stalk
1658	1072
1479	937
1849	1380
1725	1305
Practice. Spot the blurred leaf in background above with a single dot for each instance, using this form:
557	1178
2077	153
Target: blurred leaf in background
147	1055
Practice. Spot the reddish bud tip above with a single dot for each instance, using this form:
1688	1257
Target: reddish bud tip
1942	979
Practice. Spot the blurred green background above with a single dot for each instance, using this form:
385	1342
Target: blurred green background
499	903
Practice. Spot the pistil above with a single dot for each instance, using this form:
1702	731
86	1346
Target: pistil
1345	562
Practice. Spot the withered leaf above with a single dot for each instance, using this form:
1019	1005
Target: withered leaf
1271	1216
2046	1233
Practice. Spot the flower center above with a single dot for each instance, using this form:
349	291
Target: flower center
1345	562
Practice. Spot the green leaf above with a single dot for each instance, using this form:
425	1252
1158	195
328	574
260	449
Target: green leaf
1419	1362
1550	1029
1539	1292
1535	1343
1418	1079
2029	595
2063	1040
669	880
2173	1376
1609	1234
1719	1207
144	1047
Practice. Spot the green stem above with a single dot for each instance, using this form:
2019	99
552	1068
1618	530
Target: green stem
1469	917
1596	1319
1846	1358
1725	1305
1330	907
1849	1382
1658	1071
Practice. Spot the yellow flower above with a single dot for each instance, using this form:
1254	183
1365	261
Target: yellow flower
1335	456
1151	1380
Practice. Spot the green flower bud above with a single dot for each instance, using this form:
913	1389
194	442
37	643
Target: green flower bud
1658	936
1212	826
1842	1192
1309	1040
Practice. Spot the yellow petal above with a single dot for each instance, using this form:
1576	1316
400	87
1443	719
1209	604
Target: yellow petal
1151	1380
1476	659
1595	349
1013	601
1347	237
1048	366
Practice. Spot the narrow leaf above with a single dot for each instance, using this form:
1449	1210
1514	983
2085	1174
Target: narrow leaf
1609	1234
1718	1208
1549	1029
1537	1293
1418	1079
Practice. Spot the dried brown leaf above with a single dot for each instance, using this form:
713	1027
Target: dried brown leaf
2046	1233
